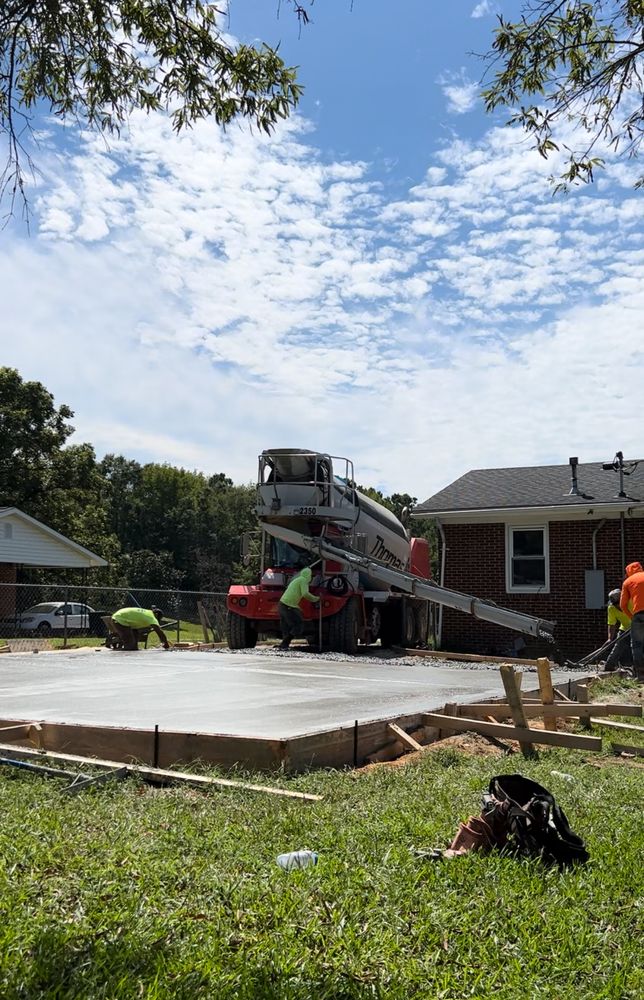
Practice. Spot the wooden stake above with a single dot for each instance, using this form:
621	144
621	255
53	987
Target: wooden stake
583	699
547	692
205	621
513	694
451	708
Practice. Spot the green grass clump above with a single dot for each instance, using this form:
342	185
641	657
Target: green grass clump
129	892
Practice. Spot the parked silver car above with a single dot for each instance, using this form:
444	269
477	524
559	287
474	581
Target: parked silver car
50	617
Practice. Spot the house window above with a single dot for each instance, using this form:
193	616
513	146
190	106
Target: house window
527	564
7	530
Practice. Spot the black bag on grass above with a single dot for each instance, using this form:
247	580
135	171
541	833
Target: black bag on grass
534	825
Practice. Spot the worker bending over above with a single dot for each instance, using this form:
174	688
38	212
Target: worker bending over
290	614
619	625
128	620
633	596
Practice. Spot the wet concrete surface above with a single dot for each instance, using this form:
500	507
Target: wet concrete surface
255	693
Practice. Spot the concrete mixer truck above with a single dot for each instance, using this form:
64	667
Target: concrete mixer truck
373	579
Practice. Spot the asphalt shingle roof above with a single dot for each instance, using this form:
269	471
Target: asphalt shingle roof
535	486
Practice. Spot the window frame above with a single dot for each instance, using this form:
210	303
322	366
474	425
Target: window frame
509	552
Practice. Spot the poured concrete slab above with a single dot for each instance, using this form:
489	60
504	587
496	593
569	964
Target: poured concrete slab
251	694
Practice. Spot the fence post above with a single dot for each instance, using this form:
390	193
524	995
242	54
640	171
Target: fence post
65	618
178	606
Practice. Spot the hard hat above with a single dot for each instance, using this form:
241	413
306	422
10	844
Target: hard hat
614	596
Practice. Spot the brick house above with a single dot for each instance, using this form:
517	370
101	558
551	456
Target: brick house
547	540
24	541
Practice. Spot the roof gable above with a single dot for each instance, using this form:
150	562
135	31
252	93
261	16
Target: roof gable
29	542
536	486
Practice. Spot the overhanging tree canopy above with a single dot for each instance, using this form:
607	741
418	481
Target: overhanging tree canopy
95	61
583	62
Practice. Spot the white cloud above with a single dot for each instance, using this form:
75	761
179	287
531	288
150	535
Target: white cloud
461	92
197	299
483	8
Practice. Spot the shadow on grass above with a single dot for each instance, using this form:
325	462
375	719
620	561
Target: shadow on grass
65	963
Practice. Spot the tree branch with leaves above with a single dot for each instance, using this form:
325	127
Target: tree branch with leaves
94	62
583	61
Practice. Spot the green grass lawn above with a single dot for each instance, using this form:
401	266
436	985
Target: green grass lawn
129	892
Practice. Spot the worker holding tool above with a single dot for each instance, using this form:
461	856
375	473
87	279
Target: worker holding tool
619	625
289	606
633	596
128	620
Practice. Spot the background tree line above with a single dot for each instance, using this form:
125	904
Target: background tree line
157	525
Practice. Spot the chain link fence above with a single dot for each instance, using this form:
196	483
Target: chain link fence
60	615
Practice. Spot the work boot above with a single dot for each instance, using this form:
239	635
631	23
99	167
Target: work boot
284	644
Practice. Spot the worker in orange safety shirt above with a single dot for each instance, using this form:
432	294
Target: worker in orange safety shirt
633	595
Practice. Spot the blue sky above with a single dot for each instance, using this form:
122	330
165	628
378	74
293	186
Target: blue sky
387	277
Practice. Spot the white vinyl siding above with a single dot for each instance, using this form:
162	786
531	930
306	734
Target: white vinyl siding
27	544
527	559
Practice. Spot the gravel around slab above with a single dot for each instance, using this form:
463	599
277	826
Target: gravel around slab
387	656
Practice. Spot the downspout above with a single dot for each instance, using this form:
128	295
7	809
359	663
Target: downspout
595	530
439	626
622	538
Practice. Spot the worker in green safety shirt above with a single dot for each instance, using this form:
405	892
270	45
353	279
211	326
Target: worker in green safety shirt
290	614
619	623
128	620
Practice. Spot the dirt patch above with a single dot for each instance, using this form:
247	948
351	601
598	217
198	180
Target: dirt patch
471	744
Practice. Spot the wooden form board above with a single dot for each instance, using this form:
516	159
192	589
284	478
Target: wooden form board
468	657
527	736
339	747
21	731
607	723
155	773
165	748
558	709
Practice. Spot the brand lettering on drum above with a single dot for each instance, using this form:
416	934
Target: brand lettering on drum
380	551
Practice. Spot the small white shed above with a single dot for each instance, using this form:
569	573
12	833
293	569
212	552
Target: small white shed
24	541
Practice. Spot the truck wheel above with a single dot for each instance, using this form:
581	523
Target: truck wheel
422	623
239	632
409	634
343	630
